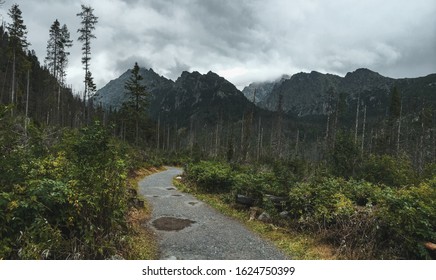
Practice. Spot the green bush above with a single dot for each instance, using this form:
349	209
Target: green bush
210	176
288	172
344	158
362	193
388	170
320	204
250	184
408	219
69	202
221	177
330	206
367	221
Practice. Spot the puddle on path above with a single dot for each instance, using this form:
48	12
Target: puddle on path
177	195
171	223
193	203
171	189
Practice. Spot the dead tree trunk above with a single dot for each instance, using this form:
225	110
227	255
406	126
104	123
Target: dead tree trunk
363	130
357	120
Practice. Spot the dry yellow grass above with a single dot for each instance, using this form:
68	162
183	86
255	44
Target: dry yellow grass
141	244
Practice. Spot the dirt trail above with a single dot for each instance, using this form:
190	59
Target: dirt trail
189	229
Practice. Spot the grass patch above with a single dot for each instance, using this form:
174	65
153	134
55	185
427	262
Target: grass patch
297	245
141	244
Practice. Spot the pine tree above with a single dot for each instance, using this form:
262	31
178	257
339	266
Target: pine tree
53	45
17	30
92	88
65	43
89	20
57	54
17	42
137	103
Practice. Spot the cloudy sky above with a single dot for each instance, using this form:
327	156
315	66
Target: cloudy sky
243	40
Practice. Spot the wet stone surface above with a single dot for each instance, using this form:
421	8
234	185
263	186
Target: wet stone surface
171	223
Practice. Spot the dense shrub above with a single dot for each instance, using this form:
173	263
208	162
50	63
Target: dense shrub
388	170
210	176
252	184
408	219
222	177
67	202
320	204
367	221
344	158
287	172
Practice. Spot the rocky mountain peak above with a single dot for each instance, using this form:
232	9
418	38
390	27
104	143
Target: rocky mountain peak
365	80
113	94
262	89
363	74
304	94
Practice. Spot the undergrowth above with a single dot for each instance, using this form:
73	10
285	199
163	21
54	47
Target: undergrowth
359	219
296	245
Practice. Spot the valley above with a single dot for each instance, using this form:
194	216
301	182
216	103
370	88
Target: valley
338	166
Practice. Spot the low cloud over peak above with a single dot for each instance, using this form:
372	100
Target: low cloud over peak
244	41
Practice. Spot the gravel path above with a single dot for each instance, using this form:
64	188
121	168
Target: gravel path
203	233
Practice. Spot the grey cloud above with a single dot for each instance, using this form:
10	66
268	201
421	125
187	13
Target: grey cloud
175	71
127	63
246	40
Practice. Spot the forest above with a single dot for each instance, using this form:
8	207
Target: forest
366	186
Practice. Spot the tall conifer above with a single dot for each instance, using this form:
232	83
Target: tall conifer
89	20
17	42
138	96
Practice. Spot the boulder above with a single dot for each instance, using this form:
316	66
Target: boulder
277	201
284	214
254	213
244	200
132	192
264	217
136	202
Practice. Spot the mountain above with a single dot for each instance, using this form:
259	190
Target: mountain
303	94
193	95
262	89
206	97
114	95
209	97
311	94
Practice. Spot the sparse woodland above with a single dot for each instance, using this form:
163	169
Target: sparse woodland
367	186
